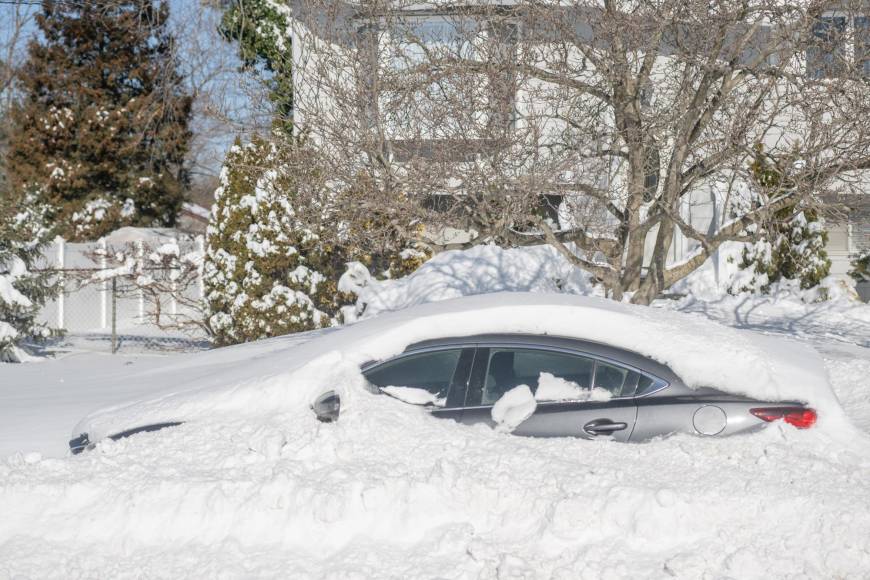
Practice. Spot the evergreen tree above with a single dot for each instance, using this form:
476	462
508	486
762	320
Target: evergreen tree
792	243
281	234
271	261
102	131
22	291
261	29
860	271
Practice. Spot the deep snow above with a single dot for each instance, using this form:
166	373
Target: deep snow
255	487
390	492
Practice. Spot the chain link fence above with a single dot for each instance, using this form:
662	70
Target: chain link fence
101	307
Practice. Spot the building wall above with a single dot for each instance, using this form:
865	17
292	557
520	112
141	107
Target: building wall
702	209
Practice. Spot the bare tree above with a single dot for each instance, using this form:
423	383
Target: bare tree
588	125
227	101
17	18
167	280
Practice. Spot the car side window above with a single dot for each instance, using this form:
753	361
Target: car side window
617	380
422	379
647	384
510	367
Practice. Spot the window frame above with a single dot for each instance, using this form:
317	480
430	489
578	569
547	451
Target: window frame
480	367
451	149
861	42
835	44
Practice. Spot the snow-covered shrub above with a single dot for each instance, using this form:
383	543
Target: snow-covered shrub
791	244
789	250
90	221
860	271
272	262
22	291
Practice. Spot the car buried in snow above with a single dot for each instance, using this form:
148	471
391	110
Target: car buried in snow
580	389
534	365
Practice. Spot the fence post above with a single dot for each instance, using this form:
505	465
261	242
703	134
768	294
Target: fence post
173	272
114	314
104	290
61	296
140	256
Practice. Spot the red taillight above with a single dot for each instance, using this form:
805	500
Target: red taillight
800	417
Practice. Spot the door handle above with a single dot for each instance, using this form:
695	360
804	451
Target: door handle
603	427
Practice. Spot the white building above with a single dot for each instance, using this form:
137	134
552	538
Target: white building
344	28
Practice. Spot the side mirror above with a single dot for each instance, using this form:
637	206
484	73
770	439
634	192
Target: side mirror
327	407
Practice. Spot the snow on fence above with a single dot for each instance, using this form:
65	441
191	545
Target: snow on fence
103	307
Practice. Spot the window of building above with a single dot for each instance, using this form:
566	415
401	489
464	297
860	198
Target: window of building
862	43
827	55
443	85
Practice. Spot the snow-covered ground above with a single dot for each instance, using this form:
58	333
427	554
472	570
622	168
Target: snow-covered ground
390	492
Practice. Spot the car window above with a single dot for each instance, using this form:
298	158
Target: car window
510	367
647	385
422	378
619	381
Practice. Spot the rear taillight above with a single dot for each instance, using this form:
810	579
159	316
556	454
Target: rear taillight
800	417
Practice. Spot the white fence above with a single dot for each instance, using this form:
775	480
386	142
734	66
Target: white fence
100	308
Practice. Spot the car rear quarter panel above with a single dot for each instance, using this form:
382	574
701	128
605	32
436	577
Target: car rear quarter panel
666	413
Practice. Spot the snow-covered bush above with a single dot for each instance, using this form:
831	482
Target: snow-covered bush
22	291
791	243
272	262
790	250
860	271
90	221
281	237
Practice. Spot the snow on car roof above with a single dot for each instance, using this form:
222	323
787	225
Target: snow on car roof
266	376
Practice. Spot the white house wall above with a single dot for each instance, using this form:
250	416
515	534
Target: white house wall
703	209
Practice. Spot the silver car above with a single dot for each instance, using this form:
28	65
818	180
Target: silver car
462	378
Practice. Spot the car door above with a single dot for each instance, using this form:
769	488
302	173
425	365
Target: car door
562	381
435	378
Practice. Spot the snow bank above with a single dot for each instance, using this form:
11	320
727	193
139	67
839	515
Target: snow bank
479	270
487	269
702	353
390	492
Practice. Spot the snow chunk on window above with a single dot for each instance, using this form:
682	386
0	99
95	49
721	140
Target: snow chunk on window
514	407
553	388
415	396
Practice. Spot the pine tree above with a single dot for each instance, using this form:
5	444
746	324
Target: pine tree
22	291
260	29
860	271
102	132
791	245
272	263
